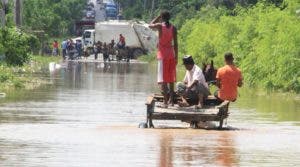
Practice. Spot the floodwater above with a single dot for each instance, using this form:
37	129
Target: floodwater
90	113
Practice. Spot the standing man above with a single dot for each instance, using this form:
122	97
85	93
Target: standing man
194	85
229	78
112	43
55	48
105	52
64	45
78	46
167	55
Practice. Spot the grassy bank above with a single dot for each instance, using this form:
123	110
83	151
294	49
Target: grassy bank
26	76
264	39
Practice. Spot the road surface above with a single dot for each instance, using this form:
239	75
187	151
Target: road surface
100	13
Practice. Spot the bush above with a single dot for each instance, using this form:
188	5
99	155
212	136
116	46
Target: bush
55	17
16	45
264	39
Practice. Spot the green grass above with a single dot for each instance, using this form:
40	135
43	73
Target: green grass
147	58
22	77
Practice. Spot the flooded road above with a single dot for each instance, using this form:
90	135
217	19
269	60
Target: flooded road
89	117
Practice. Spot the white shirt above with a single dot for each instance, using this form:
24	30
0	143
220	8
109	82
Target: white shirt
195	75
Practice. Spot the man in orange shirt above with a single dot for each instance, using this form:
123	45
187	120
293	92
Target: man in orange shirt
229	78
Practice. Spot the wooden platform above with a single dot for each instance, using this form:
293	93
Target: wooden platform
212	111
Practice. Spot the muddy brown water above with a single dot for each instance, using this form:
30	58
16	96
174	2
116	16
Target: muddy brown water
89	117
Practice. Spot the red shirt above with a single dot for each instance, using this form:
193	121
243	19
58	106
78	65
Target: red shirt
165	45
55	45
122	39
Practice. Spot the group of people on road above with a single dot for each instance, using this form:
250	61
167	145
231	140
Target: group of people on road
108	48
194	85
69	49
72	49
105	48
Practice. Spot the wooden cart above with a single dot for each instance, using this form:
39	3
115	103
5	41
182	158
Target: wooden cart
212	111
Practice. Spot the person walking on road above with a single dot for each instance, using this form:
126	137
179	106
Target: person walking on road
167	55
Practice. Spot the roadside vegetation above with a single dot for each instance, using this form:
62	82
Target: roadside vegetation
43	20
25	76
55	17
263	35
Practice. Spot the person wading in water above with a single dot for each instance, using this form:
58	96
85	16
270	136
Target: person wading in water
167	55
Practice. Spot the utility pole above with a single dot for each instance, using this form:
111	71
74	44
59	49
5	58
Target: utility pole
3	10
145	4
18	11
152	8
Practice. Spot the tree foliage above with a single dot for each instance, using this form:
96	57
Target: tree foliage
264	35
181	9
16	45
55	17
264	38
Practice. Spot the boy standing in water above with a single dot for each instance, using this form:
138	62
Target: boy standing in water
167	55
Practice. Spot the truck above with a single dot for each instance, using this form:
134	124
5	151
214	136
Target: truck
88	38
111	9
84	24
137	37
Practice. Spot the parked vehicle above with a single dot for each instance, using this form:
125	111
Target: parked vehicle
84	24
89	39
111	12
110	30
91	4
90	14
111	9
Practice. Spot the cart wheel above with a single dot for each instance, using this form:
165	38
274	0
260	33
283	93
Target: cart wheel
137	53
143	125
194	125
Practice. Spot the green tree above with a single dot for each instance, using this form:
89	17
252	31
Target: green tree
56	18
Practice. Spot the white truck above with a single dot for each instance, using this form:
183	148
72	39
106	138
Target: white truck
138	37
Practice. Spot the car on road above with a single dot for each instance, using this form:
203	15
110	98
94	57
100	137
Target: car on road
91	4
89	8
111	10
90	14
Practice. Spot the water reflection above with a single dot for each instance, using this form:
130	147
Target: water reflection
195	149
166	151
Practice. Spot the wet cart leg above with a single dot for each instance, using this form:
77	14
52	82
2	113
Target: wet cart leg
150	109
223	113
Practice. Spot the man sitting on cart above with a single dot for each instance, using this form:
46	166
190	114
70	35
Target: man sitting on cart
194	86
229	78
121	44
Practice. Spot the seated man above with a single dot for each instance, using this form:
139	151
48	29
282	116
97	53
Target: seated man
194	86
229	78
